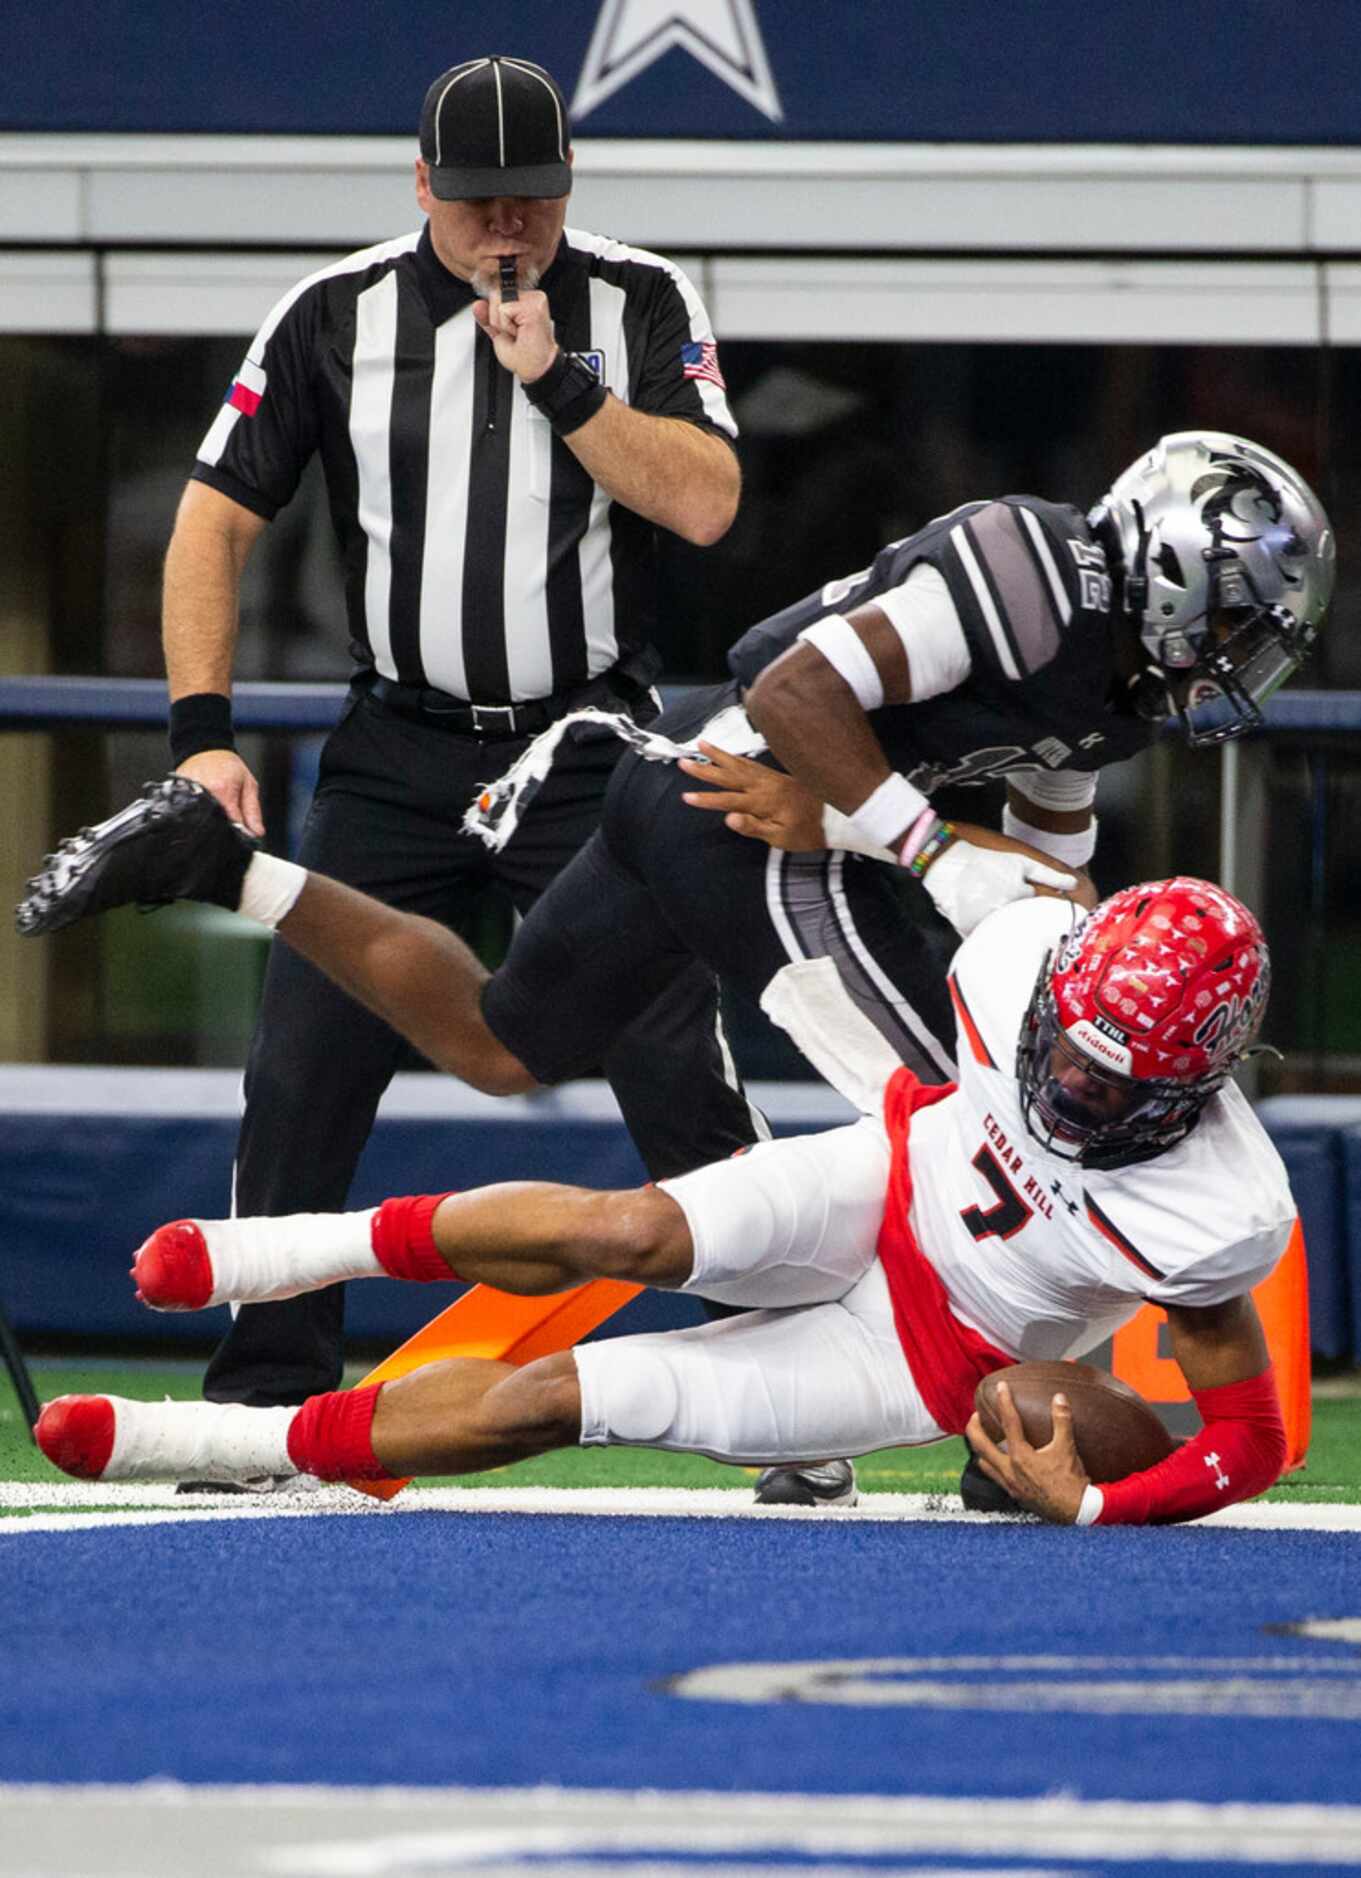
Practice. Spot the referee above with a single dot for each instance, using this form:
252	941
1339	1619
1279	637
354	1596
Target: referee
506	410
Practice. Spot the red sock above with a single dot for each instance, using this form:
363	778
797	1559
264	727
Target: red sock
331	1436
403	1242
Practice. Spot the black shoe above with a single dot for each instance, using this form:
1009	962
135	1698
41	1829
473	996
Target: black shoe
981	1495
175	842
257	1483
260	1483
825	1483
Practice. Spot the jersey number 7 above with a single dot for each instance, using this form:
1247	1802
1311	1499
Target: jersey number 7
1011	1211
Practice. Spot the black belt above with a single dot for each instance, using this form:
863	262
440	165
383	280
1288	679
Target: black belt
440	709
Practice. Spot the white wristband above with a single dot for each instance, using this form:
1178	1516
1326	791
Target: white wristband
889	812
1073	850
839	831
1093	1499
845	651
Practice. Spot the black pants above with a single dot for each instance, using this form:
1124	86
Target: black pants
385	818
663	883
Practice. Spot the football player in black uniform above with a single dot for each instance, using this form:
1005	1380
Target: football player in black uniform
1015	638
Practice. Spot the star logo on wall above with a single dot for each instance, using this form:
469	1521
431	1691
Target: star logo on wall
631	35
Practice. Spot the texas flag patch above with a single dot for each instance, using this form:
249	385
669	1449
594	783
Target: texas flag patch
246	389
699	359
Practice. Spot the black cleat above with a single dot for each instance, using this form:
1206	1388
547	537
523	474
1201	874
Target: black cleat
981	1495
825	1483
175	842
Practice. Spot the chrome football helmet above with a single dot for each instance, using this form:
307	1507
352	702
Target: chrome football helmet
1138	1018
1228	562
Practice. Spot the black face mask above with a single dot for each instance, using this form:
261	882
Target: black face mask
1094	1116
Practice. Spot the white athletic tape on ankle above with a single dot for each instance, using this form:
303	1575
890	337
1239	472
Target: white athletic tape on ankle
271	888
198	1441
260	1261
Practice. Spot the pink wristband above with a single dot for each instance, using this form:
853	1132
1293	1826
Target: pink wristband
917	836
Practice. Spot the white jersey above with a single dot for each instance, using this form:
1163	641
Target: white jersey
1045	1258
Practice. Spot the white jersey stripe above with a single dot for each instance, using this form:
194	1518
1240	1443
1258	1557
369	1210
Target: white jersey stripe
529	654
775	906
1062	603
594	562
351	264
446	507
714	401
210	450
370	424
983	595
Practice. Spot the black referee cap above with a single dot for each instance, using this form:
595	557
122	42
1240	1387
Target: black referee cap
495	127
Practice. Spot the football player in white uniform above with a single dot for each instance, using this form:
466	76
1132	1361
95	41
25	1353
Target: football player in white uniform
1093	1155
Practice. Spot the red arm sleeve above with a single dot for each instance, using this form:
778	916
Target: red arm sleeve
1238	1453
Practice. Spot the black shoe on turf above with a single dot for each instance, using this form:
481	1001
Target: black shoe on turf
258	1483
175	842
829	1483
981	1495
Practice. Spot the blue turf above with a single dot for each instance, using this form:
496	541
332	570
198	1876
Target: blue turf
508	1650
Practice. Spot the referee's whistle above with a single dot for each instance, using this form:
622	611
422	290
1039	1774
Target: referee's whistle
510	289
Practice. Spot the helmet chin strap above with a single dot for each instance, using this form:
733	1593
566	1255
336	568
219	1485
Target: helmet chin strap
1136	580
1149	695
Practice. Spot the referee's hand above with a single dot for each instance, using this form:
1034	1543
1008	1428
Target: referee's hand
225	776
521	330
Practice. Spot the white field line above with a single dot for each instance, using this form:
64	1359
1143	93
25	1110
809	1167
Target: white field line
390	1829
62	1506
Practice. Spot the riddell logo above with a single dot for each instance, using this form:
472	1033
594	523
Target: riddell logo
1101	1039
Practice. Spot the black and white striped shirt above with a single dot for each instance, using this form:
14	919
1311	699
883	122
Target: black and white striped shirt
479	556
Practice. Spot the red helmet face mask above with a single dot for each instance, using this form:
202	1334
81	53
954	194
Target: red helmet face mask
1138	1018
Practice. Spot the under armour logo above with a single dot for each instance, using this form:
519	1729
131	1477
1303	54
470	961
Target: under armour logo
1221	1478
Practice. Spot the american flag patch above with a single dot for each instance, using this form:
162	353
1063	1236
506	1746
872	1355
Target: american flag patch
246	389
699	359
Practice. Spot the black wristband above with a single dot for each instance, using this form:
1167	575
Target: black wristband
568	394
202	721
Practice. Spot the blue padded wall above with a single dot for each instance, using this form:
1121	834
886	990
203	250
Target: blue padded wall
92	1160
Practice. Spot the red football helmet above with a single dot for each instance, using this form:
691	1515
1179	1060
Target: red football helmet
1136	1020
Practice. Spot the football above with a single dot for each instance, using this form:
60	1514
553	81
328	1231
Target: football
1116	1431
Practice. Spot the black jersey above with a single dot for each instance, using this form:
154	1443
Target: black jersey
1033	593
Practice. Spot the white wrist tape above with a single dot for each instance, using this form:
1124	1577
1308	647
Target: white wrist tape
889	812
845	651
1093	1499
1073	850
839	831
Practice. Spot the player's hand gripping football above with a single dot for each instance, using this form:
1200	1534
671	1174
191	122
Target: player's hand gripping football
754	800
1049	1481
